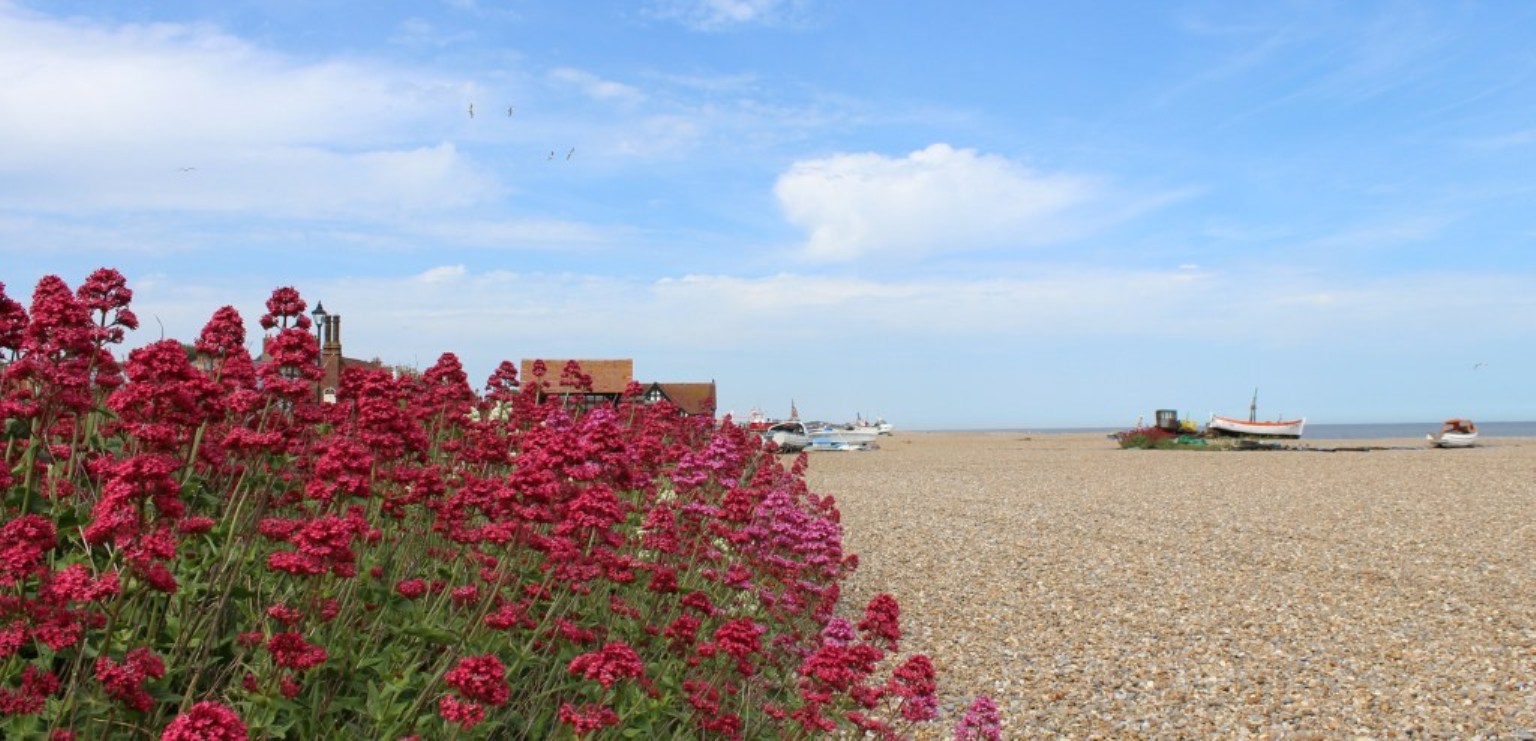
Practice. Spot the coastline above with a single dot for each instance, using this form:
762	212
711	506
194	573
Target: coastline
1091	590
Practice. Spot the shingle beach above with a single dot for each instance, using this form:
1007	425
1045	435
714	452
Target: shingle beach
1095	592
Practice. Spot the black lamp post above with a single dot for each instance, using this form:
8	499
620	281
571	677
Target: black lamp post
320	316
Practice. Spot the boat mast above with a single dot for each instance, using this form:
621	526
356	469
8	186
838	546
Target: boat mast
1253	406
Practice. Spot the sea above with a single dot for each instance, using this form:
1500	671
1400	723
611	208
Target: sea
1353	431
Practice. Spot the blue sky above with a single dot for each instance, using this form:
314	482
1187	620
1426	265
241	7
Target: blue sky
952	215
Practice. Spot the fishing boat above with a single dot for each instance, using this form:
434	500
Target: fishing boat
878	425
1289	428
1455	433
826	436
757	421
789	436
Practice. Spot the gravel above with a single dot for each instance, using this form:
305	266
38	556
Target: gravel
1094	592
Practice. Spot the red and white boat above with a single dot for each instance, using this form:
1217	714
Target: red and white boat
1455	433
1290	428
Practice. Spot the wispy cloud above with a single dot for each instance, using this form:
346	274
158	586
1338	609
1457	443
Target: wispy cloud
596	87
935	200
717	15
1506	140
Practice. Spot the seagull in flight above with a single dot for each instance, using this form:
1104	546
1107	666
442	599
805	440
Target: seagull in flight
509	111
185	169
471	110
568	154
1479	365
551	154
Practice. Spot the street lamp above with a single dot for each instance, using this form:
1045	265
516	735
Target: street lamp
320	316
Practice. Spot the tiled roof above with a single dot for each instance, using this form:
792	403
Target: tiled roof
692	398
608	376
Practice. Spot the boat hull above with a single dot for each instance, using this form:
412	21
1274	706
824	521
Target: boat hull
838	439
1452	439
1228	426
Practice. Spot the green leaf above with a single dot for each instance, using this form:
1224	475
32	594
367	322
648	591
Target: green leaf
432	635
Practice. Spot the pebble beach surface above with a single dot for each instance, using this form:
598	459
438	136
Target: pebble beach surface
1095	592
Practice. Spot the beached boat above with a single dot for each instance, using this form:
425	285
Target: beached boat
758	422
878	426
826	436
1455	433
790	436
1228	426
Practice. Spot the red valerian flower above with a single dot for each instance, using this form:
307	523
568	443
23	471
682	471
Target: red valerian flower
739	638
411	588
588	718
74	583
223	335
285	306
981	722
292	651
881	621
32	696
13	322
206	721
125	681
454	710
614	661
480	678
913	681
24	542
324	544
166	399
284	614
105	292
501	386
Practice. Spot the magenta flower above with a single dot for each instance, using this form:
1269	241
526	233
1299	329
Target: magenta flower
480	678
125	682
454	710
589	718
292	651
881	621
206	721
615	661
24	542
981	722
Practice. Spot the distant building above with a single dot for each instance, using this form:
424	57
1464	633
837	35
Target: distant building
692	398
332	362
609	379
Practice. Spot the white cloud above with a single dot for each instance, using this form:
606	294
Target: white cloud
108	115
596	87
935	200
443	274
715	15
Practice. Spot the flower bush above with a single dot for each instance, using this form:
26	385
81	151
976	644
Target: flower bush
1146	437
194	547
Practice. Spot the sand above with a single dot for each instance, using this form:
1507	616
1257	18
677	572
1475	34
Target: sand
1095	592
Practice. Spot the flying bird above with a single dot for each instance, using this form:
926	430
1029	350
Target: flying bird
551	154
185	169
1479	365
471	110
568	154
509	110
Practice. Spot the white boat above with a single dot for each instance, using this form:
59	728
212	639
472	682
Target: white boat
794	435
1283	428
790	436
832	437
878	426
1455	433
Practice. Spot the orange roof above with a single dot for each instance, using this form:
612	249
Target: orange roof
608	376
692	398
